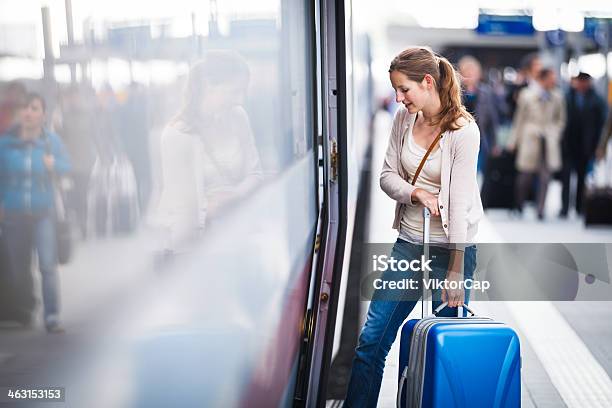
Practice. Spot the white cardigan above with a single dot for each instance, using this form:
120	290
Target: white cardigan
459	197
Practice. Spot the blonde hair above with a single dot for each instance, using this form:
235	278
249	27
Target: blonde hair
415	63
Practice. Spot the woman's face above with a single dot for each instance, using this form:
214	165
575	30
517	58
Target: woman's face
221	97
413	95
32	115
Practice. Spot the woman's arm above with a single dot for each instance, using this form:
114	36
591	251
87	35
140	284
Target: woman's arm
462	187
390	180
254	173
182	202
560	118
463	182
454	297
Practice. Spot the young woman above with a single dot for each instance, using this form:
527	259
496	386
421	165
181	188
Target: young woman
432	116
209	158
30	156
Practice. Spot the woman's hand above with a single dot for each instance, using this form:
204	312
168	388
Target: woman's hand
454	297
454	278
427	200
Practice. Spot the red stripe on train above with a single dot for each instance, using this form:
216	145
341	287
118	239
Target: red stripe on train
272	373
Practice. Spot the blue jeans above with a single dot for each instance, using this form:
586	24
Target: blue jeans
25	233
385	318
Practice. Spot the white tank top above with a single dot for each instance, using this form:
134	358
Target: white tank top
411	225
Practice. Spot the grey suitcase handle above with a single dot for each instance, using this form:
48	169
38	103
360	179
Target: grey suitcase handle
426	222
443	305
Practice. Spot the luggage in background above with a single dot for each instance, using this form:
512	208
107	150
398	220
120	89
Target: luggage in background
112	198
113	206
498	183
598	194
17	301
597	206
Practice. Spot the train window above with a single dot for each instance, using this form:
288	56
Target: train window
217	96
124	80
181	136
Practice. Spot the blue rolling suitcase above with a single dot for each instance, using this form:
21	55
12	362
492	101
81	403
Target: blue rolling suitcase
459	362
462	362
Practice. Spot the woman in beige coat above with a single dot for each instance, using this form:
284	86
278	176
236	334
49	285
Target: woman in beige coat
536	136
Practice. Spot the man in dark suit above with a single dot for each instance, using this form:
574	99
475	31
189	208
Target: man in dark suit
479	100
586	112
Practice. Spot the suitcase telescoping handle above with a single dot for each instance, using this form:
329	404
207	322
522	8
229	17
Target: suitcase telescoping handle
443	305
426	221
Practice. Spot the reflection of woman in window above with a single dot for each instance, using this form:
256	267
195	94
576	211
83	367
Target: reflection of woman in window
209	159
